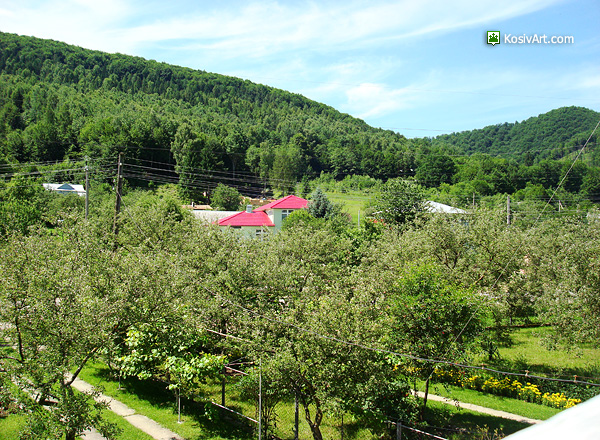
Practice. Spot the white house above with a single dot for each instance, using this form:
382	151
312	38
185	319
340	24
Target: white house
267	218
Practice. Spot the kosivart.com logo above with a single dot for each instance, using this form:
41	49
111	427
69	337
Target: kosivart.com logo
493	37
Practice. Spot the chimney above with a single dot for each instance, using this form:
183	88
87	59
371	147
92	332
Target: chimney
249	209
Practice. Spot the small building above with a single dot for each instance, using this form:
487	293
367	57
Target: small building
265	219
440	208
249	223
65	188
280	209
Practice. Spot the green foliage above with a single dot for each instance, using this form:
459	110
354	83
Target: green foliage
551	135
226	198
321	207
398	202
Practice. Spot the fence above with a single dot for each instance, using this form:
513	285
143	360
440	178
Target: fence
283	418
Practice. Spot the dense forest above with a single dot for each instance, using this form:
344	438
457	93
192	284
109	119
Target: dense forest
197	129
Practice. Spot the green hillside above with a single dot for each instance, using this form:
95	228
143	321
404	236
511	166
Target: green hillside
196	129
552	135
58	100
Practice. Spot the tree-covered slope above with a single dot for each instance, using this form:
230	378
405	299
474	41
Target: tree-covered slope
550	135
58	100
197	129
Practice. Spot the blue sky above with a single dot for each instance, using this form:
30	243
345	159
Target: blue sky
420	68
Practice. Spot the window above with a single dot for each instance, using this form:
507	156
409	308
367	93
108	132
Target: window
285	213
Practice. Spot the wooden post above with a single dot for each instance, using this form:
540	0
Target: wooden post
398	430
223	389
508	210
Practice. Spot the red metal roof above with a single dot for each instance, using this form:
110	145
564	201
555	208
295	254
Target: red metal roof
288	202
247	219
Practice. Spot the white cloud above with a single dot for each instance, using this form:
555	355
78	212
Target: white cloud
266	27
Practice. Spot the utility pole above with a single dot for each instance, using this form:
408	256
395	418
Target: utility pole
87	188
119	189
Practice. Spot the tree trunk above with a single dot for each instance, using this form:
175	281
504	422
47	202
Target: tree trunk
315	426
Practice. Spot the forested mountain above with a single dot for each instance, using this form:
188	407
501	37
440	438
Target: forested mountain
197	129
59	100
552	135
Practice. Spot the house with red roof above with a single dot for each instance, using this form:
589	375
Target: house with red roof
267	218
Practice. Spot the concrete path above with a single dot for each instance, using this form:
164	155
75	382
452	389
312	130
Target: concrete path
141	422
481	409
92	434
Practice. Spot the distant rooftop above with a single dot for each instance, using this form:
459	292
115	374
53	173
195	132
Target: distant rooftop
288	202
441	208
65	188
245	218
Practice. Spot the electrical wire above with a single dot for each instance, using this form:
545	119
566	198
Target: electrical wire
513	255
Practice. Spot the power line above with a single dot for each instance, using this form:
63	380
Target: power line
513	255
386	351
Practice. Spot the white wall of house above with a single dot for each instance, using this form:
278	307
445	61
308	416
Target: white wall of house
249	231
278	215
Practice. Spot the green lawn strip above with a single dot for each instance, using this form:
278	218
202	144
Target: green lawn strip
11	426
156	402
153	400
528	352
128	431
507	404
351	202
439	414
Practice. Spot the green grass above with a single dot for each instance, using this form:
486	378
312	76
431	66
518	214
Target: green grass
527	352
507	404
128	431
351	202
11	426
153	400
448	416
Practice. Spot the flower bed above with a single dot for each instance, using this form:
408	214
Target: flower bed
504	387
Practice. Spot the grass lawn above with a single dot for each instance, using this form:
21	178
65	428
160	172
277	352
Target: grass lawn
128	431
153	400
448	416
11	426
351	202
514	406
528	352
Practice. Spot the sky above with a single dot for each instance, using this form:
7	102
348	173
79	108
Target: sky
417	67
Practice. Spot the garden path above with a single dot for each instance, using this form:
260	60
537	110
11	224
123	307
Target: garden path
481	409
141	422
